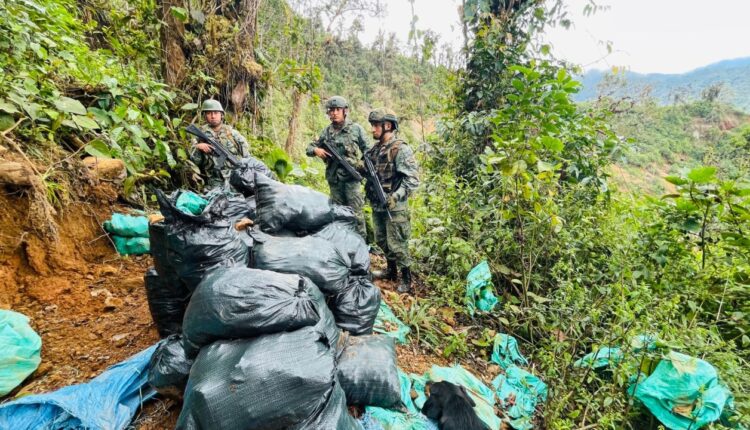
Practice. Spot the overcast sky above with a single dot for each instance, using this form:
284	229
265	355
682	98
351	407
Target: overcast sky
648	36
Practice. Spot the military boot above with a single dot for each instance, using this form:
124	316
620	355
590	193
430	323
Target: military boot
405	286
390	273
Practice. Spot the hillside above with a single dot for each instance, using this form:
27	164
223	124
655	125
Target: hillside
733	75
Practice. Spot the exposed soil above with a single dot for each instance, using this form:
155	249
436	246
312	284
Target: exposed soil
88	303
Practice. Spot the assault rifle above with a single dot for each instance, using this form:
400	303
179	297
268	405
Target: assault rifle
372	177
223	154
342	161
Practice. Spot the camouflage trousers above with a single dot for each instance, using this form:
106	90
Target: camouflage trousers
393	236
349	193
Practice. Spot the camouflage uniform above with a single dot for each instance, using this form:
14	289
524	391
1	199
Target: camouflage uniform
349	141
233	141
398	173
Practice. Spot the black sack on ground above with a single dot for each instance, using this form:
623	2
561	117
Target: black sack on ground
271	382
238	302
367	372
167	300
343	236
334	416
327	323
356	308
197	244
293	207
308	256
242	177
169	367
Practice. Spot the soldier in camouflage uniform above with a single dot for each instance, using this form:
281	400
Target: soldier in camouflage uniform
397	171
348	139
212	174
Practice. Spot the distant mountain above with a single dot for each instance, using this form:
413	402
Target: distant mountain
734	75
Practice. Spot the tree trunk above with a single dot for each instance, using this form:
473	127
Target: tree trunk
174	60
297	97
244	70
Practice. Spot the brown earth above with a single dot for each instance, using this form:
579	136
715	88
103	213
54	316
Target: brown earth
88	304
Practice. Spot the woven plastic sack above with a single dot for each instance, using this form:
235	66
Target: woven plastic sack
387	323
270	382
601	359
356	308
238	302
377	418
242	177
190	203
683	392
333	416
19	350
327	323
293	207
518	393
198	244
368	373
308	256
127	225
131	245
479	291
169	367
345	238
167	301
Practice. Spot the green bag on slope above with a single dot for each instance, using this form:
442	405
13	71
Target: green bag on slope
19	350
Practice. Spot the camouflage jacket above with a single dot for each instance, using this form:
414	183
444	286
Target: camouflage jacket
397	171
232	140
349	141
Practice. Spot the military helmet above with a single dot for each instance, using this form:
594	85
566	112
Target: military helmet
212	105
337	102
380	115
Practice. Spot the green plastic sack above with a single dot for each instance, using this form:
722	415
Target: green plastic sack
131	245
388	324
601	359
390	419
482	395
518	393
127	225
683	392
190	203
505	351
19	350
479	291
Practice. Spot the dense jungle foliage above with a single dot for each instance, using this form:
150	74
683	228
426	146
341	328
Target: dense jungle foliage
513	172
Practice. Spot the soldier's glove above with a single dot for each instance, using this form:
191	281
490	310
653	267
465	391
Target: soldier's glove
392	202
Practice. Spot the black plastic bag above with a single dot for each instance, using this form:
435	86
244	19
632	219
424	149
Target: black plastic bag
327	323
343	236
239	302
356	308
308	256
169	367
334	416
293	207
271	382
167	300
197	244
367	371
239	207
242	177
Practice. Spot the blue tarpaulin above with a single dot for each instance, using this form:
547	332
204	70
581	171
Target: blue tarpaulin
107	402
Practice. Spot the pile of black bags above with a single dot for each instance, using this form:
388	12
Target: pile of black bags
256	317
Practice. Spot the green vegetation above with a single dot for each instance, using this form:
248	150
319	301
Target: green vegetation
516	172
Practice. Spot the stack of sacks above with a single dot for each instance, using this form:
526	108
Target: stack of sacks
334	256
129	233
196	236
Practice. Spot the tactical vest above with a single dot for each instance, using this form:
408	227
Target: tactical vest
384	161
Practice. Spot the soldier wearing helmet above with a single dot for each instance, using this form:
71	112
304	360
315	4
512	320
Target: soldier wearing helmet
348	139
397	171
232	140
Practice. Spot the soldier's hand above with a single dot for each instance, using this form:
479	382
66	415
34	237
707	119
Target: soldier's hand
204	148
322	153
391	202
